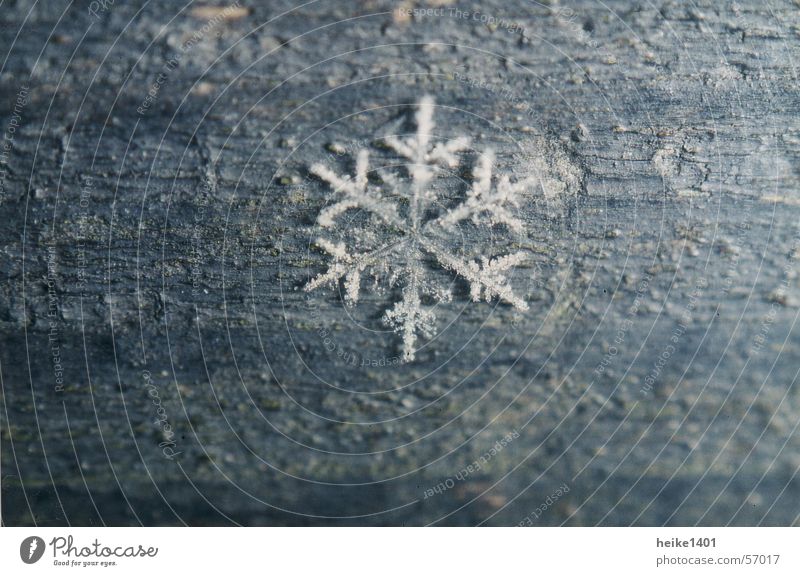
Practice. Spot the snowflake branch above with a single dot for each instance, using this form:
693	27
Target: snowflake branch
408	317
487	279
493	269
355	192
418	150
495	205
445	154
347	266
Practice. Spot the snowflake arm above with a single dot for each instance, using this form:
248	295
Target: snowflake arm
355	193
347	266
418	149
445	154
422	155
486	203
408	317
485	279
493	269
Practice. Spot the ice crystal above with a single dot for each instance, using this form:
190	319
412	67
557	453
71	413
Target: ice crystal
410	210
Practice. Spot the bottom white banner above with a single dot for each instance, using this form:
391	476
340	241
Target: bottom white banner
353	551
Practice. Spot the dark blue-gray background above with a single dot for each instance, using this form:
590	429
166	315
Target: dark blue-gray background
161	364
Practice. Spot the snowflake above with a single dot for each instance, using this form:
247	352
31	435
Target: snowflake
410	210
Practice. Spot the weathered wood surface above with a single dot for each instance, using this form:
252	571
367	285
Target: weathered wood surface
156	217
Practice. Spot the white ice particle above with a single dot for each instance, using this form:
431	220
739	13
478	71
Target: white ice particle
418	230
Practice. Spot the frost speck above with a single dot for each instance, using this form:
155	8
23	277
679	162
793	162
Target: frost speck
418	229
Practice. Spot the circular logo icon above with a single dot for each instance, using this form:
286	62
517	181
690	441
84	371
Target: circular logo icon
31	549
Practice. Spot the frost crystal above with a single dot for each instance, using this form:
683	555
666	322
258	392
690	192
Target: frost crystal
418	227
